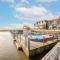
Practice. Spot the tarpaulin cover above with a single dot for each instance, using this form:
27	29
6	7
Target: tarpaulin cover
39	38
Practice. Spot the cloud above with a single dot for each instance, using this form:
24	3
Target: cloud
25	1
35	13
50	16
19	26
8	1
31	11
24	17
13	26
48	1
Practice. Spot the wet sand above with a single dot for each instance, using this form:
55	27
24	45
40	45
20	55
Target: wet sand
7	49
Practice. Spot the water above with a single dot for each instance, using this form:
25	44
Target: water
7	49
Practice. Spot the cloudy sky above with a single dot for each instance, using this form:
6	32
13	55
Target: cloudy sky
20	12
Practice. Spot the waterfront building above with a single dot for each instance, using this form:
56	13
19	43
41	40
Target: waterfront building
40	24
48	24
54	24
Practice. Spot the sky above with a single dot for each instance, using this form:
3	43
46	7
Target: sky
16	13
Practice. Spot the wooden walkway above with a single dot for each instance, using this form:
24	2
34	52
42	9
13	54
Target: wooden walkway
30	46
53	54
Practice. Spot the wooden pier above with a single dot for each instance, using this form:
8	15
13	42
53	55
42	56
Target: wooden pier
54	53
32	48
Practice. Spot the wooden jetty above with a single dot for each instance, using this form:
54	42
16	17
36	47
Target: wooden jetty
29	47
32	48
53	54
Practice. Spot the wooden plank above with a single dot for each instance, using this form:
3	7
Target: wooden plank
34	45
53	53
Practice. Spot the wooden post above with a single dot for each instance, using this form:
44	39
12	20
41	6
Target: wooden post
29	44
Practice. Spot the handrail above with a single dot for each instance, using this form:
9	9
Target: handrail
53	53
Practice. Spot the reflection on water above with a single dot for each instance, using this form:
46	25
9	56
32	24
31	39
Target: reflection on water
8	51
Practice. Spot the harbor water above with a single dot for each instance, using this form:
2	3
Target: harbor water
7	49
